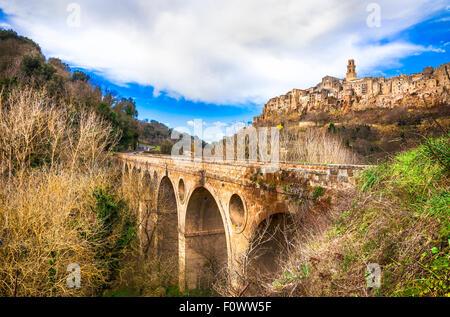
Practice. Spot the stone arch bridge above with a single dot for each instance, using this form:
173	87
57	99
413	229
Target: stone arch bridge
220	204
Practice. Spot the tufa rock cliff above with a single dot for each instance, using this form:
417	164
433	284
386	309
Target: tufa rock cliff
333	95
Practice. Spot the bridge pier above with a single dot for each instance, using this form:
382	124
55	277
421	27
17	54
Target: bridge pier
181	262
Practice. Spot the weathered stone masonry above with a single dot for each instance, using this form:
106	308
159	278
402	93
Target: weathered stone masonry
426	89
239	193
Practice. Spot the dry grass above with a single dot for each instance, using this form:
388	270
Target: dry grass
398	220
52	160
34	131
41	221
337	253
315	146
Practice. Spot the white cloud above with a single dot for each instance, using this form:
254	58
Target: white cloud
5	26
211	132
435	50
221	51
220	124
446	19
192	123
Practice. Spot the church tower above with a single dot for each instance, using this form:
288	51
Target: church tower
351	70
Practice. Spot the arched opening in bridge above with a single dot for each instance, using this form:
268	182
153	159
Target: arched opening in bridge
146	186
268	246
129	173
237	212
130	180
146	207
206	247
181	190
165	225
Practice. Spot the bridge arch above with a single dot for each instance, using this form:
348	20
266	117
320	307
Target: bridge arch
238	212
127	168
146	187
146	207
206	236
181	190
165	223
130	168
269	242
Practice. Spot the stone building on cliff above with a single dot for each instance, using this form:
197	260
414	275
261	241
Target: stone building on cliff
429	88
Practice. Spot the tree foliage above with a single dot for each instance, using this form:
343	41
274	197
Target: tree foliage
23	65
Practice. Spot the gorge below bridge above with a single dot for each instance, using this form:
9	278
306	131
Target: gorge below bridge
214	208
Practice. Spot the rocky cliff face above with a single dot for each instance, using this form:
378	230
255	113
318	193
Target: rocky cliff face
427	89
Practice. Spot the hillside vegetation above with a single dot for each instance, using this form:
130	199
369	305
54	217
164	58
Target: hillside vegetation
60	202
22	65
398	218
63	201
371	136
153	132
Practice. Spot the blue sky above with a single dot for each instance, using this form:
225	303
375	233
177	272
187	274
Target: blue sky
176	112
433	32
222	61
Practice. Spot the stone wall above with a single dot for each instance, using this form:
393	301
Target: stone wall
238	195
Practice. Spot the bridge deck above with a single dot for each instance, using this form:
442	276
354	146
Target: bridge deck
283	165
240	172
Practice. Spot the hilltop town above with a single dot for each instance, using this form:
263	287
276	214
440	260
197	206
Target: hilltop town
426	89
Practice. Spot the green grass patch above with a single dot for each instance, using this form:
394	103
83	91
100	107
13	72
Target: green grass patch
416	181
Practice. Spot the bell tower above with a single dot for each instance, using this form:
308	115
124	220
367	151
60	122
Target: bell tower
351	70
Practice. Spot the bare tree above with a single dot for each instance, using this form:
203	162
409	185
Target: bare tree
253	272
315	146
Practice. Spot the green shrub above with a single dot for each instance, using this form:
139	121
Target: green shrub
116	228
166	147
318	192
417	180
80	76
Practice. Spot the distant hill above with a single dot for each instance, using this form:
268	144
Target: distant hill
22	64
153	132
